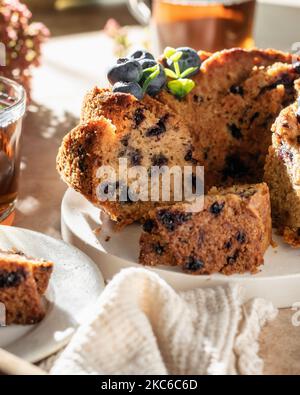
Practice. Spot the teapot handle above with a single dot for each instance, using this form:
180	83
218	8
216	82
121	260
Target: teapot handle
140	10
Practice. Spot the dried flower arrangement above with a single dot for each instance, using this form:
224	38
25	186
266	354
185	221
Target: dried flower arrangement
22	40
121	37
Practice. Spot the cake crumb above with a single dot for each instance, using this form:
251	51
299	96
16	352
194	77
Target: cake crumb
273	244
97	230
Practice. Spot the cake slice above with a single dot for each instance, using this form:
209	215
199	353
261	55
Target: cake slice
230	235
23	281
282	173
145	133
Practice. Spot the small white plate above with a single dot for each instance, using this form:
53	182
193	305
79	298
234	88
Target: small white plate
75	285
278	280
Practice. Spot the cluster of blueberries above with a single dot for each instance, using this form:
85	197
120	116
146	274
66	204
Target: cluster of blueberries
139	73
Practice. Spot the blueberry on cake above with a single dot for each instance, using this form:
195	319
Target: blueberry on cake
23	281
282	173
230	235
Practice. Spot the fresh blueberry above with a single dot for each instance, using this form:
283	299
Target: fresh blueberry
157	83
127	70
141	54
189	58
146	63
129	87
193	264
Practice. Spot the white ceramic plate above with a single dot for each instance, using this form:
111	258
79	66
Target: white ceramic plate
278	280
75	285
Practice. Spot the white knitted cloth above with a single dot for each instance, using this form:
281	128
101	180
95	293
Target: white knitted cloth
142	326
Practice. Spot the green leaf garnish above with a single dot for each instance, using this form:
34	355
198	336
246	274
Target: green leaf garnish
181	87
154	73
150	69
170	73
188	71
176	56
168	52
177	69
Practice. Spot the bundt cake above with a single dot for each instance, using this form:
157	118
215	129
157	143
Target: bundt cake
23	281
213	110
230	235
282	173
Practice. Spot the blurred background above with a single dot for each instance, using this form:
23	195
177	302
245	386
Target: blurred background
276	23
87	35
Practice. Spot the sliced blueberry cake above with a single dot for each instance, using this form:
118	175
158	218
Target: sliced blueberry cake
230	235
193	108
23	281
282	173
147	134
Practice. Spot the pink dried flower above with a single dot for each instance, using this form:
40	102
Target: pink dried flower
22	41
112	27
119	35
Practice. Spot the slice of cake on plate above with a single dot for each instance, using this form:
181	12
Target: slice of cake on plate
23	281
229	235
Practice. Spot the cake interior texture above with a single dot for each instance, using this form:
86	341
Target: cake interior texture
194	240
23	282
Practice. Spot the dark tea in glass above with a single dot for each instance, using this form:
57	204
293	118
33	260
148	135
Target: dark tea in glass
12	108
209	25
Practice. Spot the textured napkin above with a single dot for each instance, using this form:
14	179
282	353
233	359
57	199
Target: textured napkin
142	326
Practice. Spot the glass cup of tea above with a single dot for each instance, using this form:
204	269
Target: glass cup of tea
209	25
12	109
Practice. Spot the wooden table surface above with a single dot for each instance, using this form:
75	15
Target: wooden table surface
72	65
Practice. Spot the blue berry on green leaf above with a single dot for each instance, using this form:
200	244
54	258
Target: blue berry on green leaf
188	60
183	62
